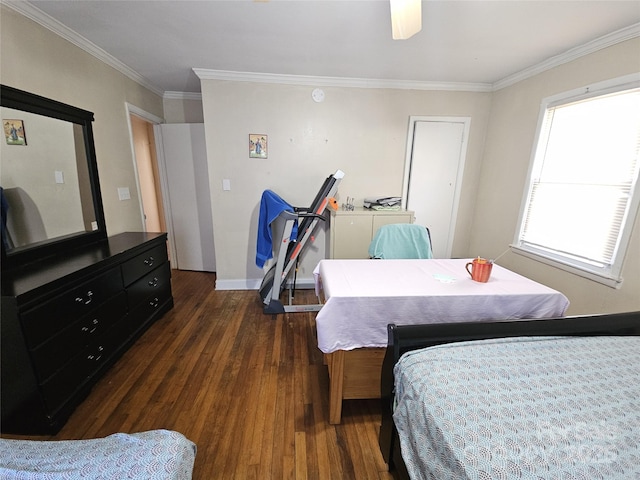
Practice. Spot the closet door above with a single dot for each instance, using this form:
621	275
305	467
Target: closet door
433	176
182	149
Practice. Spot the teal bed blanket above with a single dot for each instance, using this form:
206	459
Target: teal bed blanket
525	408
151	455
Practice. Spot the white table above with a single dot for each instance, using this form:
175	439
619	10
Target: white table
363	296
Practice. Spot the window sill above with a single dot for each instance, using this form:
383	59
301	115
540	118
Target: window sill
599	277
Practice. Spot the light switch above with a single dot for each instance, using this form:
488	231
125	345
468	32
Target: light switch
226	184
123	193
59	176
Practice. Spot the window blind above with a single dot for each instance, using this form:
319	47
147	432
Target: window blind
584	174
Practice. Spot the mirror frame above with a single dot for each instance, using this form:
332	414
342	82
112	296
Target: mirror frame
28	102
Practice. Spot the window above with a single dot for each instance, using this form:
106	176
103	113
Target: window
583	193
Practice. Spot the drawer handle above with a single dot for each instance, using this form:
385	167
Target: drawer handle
155	302
96	357
86	299
154	282
94	322
149	261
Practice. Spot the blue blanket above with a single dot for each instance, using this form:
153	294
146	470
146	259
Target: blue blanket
271	205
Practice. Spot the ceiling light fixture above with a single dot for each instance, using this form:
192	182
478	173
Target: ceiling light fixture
406	18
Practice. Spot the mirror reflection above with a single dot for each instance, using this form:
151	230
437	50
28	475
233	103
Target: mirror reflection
44	180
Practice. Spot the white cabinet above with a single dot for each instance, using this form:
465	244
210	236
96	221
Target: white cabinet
351	232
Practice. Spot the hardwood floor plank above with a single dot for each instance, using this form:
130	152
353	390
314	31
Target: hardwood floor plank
250	389
300	456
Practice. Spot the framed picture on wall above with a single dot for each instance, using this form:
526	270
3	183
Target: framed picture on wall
14	132
257	145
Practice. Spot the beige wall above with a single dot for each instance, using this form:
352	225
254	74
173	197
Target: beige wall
363	132
512	127
183	110
36	60
360	131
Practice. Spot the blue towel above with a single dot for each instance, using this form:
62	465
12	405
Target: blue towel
271	206
402	240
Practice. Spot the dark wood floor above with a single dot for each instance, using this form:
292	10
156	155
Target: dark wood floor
249	389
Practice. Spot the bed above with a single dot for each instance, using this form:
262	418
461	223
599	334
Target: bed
363	296
548	398
151	455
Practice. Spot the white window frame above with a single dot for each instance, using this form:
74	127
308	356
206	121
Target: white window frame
610	276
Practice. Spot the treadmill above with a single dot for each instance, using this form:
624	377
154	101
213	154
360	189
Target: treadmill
287	247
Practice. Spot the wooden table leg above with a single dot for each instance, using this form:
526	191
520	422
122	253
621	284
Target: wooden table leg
336	378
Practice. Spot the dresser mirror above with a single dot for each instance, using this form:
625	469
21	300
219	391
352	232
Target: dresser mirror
51	201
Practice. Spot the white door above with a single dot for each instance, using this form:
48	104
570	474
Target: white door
436	150
182	149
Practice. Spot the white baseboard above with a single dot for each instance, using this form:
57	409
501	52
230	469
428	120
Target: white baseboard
254	284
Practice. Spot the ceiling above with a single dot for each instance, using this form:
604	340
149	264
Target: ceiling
470	42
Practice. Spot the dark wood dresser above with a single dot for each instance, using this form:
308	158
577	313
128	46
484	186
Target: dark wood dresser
67	318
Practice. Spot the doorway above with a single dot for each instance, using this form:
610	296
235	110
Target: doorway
436	151
148	175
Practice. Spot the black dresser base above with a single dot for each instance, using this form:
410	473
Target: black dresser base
66	321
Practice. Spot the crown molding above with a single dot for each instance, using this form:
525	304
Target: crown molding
182	95
605	41
305	80
28	10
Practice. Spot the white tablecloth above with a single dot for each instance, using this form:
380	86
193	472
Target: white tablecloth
363	296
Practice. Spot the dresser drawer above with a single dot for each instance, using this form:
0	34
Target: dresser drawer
41	323
149	285
147	309
140	265
63	385
53	354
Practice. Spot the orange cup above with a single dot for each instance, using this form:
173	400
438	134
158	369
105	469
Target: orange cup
480	269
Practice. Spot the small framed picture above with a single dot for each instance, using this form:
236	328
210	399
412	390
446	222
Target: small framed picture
14	132
257	145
